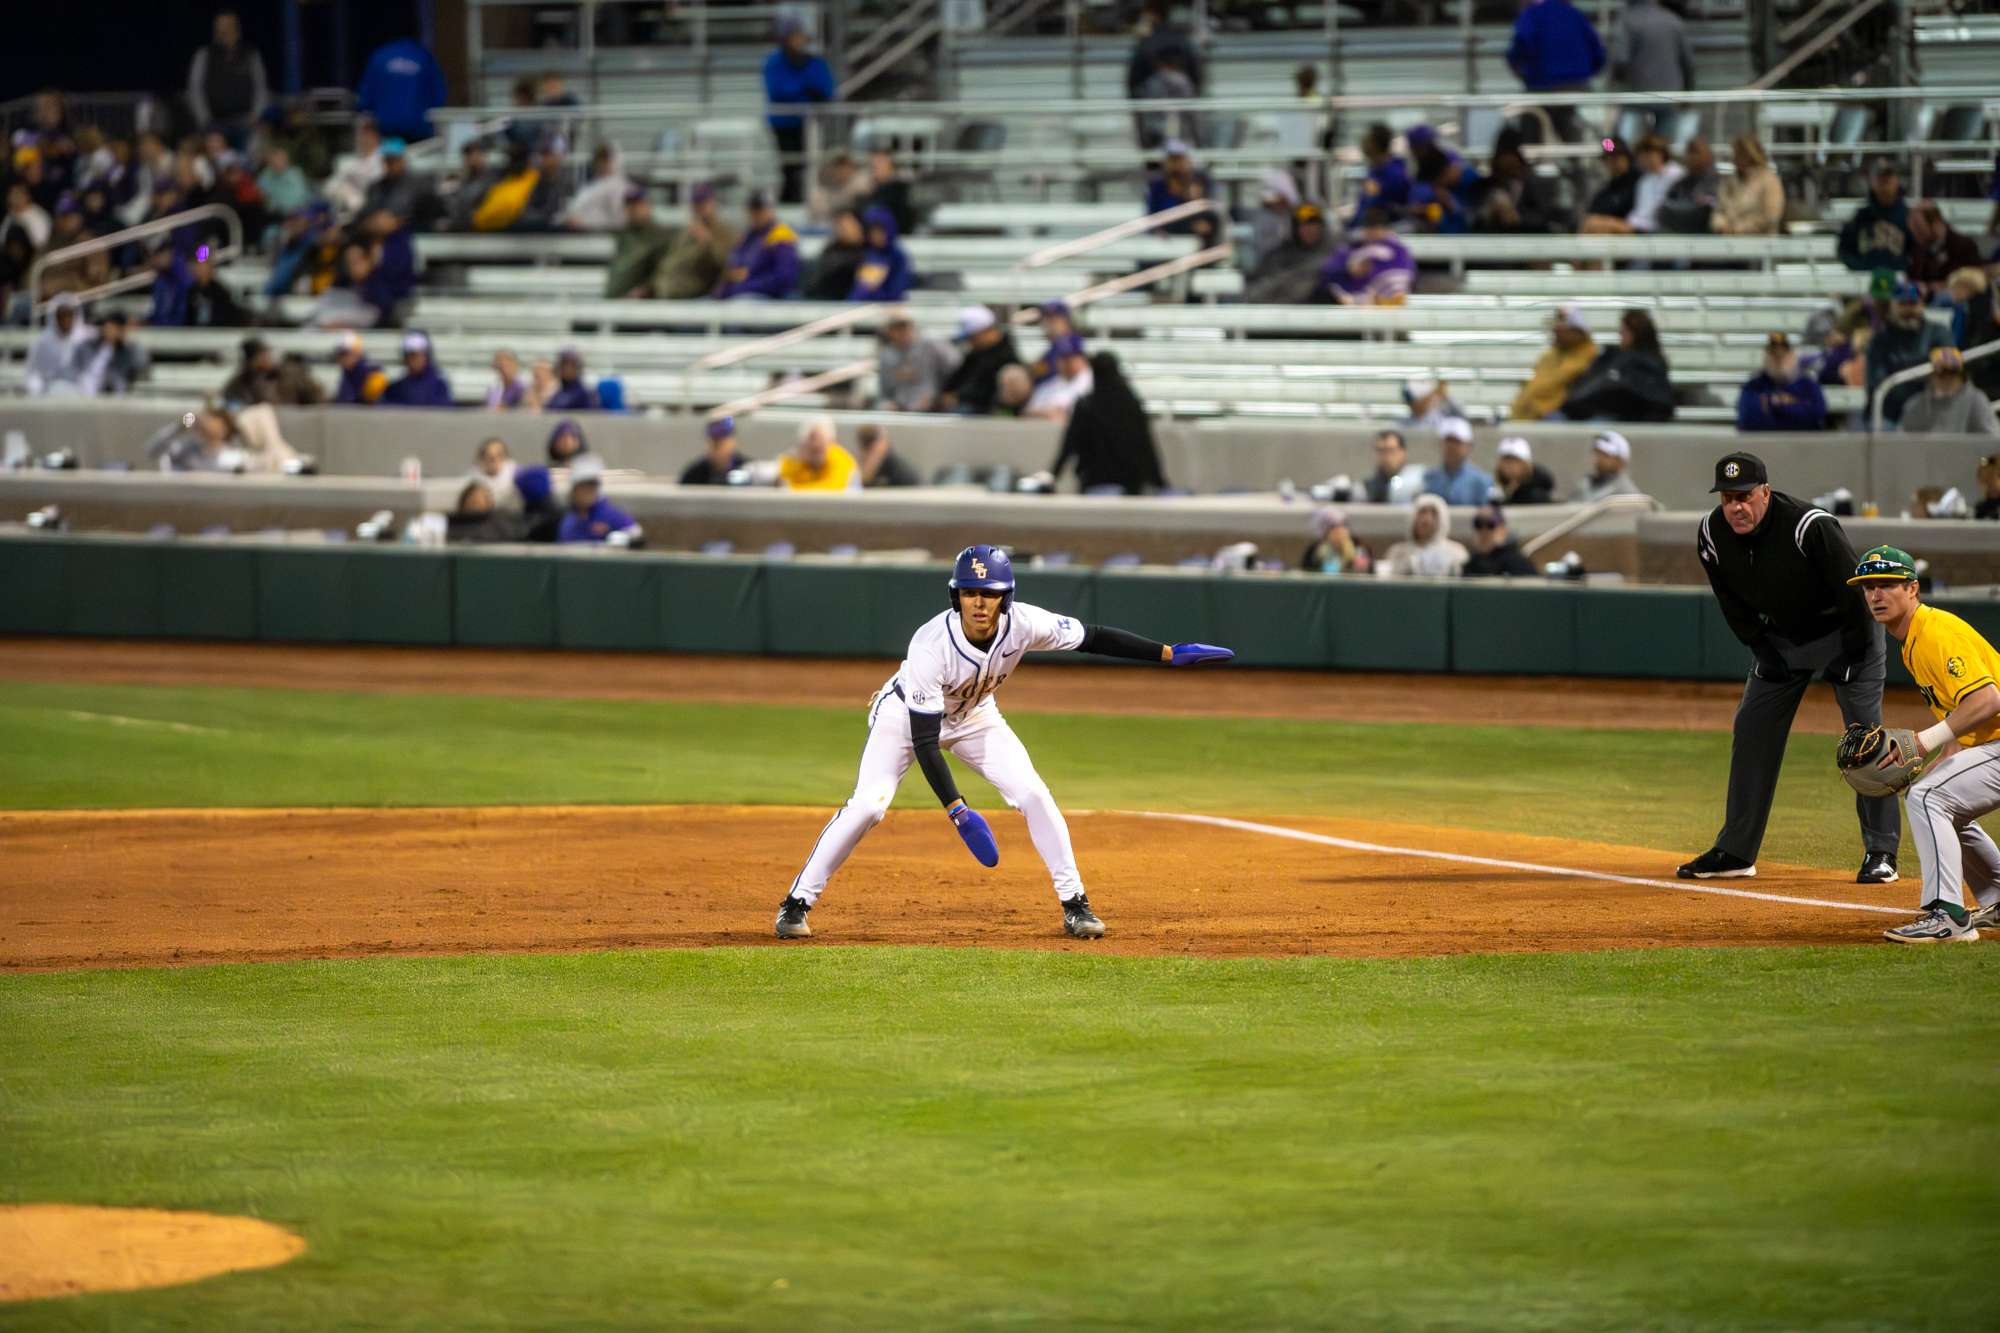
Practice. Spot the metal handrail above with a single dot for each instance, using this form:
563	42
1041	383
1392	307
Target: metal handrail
826	379
1588	514
1917	372
777	342
1820	42
861	78
134	281
902	18
1151	222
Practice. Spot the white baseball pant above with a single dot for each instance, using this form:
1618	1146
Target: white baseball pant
1943	805
994	752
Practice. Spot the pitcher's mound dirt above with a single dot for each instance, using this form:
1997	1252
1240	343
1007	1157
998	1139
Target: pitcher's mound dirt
144	888
60	1249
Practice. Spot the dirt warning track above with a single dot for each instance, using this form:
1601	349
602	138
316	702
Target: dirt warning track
150	888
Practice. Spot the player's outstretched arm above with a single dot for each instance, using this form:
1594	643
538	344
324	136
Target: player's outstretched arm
1109	642
925	730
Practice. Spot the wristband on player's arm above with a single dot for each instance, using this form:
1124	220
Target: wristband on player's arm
925	729
1109	642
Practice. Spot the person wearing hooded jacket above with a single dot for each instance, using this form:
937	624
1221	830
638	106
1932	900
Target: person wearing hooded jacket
1628	382
885	273
422	385
591	517
1288	274
60	355
1109	435
1430	553
765	263
1878	235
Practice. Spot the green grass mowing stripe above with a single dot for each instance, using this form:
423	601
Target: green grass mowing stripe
1670	1140
122	746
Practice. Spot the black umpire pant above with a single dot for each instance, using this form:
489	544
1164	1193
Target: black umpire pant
1764	723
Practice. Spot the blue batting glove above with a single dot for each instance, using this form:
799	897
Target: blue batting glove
1193	654
978	834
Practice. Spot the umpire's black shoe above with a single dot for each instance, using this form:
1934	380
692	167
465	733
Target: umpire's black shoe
1717	864
792	919
1079	920
1877	868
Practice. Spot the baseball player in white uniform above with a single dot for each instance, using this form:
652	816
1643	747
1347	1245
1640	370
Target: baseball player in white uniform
941	698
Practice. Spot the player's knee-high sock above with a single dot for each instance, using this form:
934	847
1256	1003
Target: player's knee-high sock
1050	831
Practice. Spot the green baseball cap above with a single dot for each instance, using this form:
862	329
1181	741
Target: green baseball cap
1885	564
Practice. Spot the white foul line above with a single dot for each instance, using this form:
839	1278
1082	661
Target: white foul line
1680	885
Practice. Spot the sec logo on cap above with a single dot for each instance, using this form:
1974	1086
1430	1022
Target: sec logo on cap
1731	469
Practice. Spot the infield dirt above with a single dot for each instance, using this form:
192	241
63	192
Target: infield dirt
150	888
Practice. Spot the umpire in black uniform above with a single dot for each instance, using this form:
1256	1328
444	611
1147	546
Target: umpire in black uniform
1780	569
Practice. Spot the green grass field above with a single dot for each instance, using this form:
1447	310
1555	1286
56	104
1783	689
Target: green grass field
926	1138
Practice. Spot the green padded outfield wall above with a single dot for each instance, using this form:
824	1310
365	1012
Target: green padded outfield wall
641	601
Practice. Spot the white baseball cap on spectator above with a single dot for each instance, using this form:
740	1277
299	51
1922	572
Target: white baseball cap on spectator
1325	519
587	467
1278	184
416	342
1455	428
1423	386
348	343
1175	148
1516	447
1611	442
1572	316
973	319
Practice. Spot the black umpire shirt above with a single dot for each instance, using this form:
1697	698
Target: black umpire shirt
1787	578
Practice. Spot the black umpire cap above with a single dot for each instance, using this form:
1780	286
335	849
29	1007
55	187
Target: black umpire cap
1739	472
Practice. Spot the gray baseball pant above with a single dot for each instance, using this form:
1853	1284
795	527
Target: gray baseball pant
1764	724
1943	804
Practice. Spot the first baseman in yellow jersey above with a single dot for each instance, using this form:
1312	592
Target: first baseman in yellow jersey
1959	674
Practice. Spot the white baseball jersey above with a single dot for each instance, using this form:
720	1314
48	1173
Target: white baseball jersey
945	674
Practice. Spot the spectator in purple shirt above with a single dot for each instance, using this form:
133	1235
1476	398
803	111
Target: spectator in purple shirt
572	394
422	386
1378	271
765	263
591	517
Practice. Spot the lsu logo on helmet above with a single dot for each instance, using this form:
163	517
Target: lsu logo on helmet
979	569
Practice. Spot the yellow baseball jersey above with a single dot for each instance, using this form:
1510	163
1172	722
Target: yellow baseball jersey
833	475
1950	661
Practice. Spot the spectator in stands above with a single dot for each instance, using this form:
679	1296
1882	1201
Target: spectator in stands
1053	398
113	362
362	382
1158	38
1455	478
1905	339
1109	436
477	173
60	354
1429	553
1378	270
1937	250
722	458
889	190
1878	235
1518	479
1396	480
391	283
305	239
572	394
1689	208
302	141
538	502
354	173
839	260
1016	387
210	303
1053	318
1440	201
794	76
1496	552
637	248
399	86
600	205
764	266
200	441
1752	202
1974	323
1289	273
1388	183
395	191
1619	194
422	385
1658	173
1180	183
699	256
1167	83
566	443
545	203
225	83
506	200
973	386
282	184
885	273
1949	404
819	463
345	304
1610	455
256	377
591	517
509	389
1556	50
1989	488
910	367
1429	402
1271	224
1333	549
479	518
1780	397
493	470
881	465
840	187
1628	382
26	216
1511	198
171	283
1650	52
541	385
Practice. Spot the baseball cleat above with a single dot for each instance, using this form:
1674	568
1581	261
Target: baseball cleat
1079	920
1877	868
1934	927
1986	918
792	919
1717	864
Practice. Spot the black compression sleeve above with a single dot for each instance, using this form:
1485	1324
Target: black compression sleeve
1109	642
925	729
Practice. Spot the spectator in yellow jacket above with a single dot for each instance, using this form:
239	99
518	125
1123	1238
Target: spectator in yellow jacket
1569	354
819	463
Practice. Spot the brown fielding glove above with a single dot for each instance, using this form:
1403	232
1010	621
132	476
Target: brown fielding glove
1878	761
